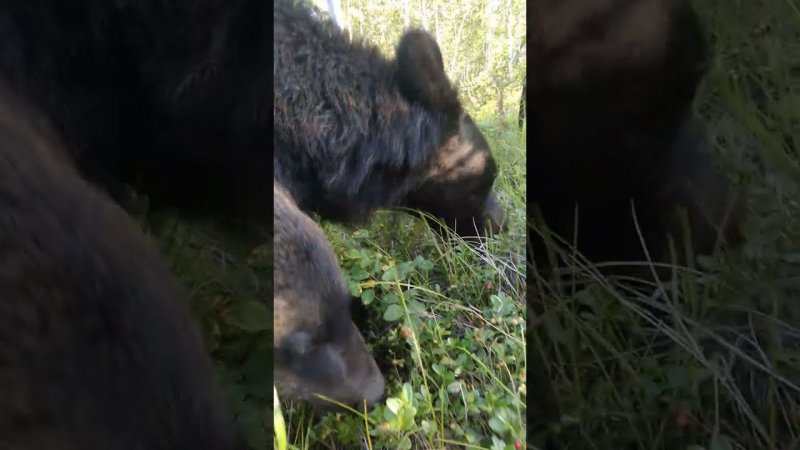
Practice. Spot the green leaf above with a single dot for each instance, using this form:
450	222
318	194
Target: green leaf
408	393
394	405
677	377
357	273
405	443
367	296
425	266
390	274
403	270
251	316
454	387
497	425
393	313
355	288
721	442
498	444
407	418
416	308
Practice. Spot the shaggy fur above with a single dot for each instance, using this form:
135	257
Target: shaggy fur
97	348
355	131
318	347
171	97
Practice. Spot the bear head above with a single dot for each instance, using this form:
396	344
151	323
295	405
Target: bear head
318	349
457	187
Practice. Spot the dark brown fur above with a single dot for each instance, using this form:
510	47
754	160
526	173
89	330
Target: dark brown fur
355	131
318	348
611	127
97	348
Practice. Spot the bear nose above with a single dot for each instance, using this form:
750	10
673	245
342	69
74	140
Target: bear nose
494	216
375	392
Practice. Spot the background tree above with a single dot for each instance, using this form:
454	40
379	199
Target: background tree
479	40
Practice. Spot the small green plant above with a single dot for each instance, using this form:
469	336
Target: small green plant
447	319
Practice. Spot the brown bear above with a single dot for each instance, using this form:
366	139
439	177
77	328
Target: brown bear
612	133
318	348
97	346
355	131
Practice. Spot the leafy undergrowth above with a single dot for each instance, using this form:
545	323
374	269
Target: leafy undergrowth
709	360
227	278
445	321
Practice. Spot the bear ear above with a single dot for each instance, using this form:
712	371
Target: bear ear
420	73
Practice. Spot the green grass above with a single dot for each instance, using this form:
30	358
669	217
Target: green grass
446	322
710	360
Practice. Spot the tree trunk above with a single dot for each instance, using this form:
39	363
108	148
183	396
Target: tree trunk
523	101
